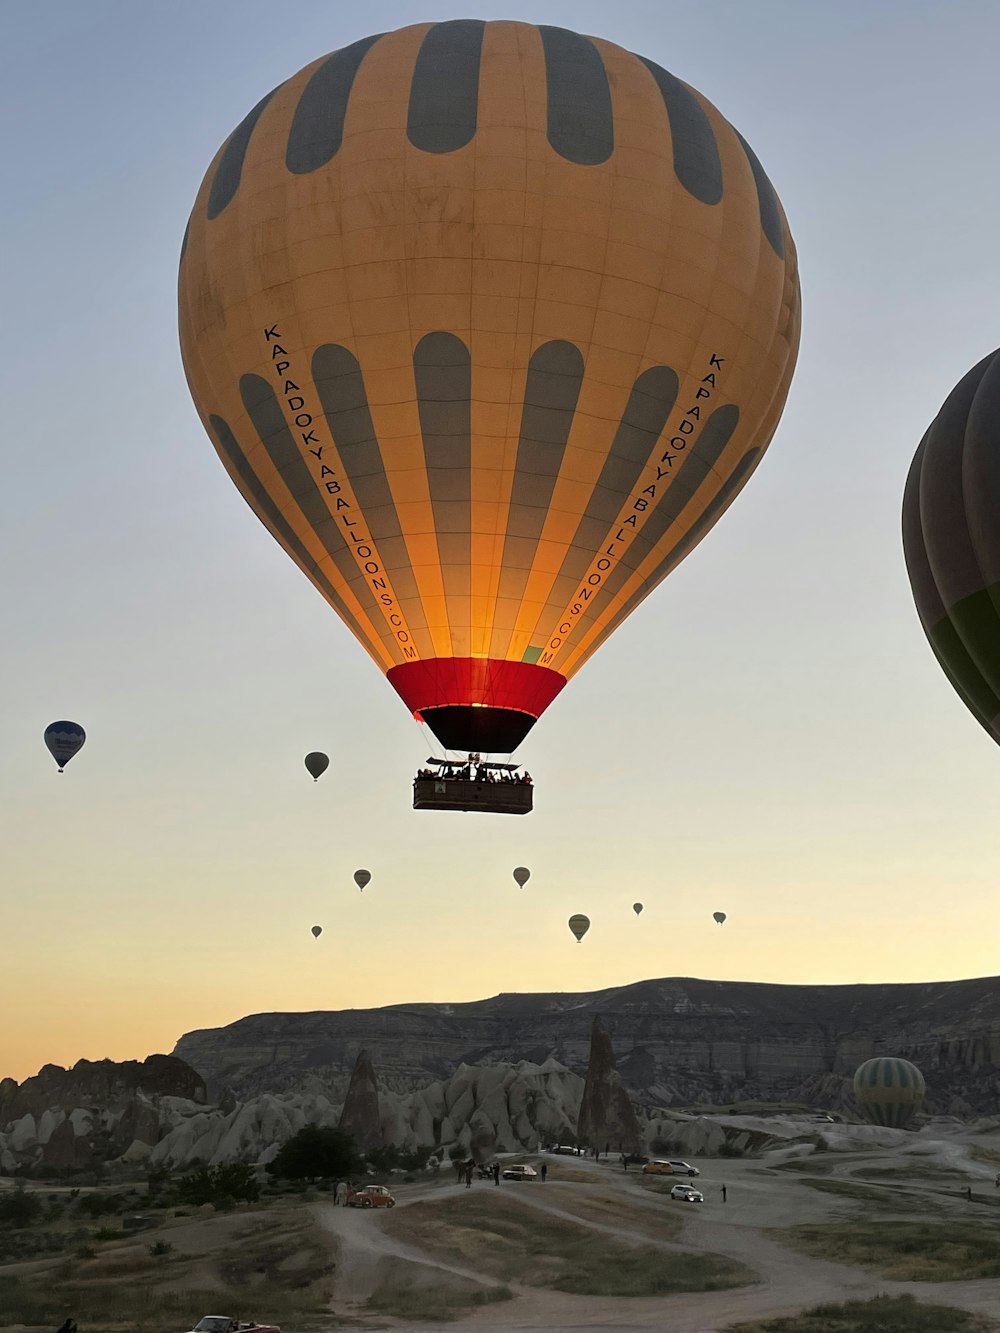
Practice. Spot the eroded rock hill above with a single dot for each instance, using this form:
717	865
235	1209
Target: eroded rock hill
679	1041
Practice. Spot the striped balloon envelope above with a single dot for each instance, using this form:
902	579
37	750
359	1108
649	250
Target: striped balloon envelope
888	1090
951	539
488	323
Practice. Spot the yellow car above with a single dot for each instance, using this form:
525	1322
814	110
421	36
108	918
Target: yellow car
674	1167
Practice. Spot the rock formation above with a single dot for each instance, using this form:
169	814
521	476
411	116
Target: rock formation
360	1116
105	1083
606	1114
679	1041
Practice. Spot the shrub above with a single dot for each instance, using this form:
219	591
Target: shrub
315	1152
159	1247
730	1150
19	1208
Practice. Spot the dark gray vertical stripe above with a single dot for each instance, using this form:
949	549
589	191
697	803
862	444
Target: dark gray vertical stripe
767	201
650	403
555	373
981	472
443	376
696	154
580	117
265	412
689	471
226	180
264	506
317	129
694	534
444	94
341	388
184	238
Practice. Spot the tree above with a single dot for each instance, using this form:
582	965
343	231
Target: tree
315	1152
19	1208
219	1185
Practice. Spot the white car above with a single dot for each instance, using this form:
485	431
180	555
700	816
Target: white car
519	1173
687	1194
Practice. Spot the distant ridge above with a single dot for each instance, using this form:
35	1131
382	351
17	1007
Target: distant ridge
678	1040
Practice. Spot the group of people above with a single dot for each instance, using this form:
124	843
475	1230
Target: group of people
340	1194
465	1170
473	771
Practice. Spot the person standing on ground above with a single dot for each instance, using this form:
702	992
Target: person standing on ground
496	1173
68	1326
459	1171
545	1171
723	1194
968	1194
625	1161
468	1174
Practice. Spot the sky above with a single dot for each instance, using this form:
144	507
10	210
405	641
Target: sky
768	735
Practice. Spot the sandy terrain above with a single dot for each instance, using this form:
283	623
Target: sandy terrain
761	1196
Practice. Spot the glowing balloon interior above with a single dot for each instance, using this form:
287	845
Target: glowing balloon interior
579	925
489	323
63	740
889	1090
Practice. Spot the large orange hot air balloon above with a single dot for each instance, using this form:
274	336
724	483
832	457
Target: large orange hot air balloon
488	323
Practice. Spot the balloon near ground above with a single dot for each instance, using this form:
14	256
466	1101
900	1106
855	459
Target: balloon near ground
579	925
63	740
361	878
888	1090
718	917
489	323
951	539
317	931
316	764
522	874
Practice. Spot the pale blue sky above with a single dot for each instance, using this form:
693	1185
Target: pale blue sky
769	733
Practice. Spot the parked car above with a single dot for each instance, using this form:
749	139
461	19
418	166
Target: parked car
371	1196
565	1148
674	1167
223	1323
519	1173
687	1194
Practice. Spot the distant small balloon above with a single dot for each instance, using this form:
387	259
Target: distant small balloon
63	740
522	874
579	925
637	908
317	932
719	917
361	878
317	763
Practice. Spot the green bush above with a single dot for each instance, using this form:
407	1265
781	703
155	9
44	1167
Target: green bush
315	1153
19	1208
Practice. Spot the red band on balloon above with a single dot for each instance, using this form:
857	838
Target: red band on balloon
442	682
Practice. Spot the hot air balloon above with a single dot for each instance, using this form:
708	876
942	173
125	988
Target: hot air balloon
522	874
489	323
63	740
579	925
951	539
316	764
718	917
888	1090
361	878
637	908
317	932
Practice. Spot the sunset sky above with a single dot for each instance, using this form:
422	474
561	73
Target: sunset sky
768	735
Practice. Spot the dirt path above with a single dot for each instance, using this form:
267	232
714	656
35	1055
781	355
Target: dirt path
758	1200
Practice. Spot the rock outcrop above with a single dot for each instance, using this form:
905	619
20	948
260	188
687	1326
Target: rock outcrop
606	1118
360	1116
680	1041
105	1083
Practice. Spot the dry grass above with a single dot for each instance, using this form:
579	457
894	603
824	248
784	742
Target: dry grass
655	1222
904	1251
280	1261
882	1314
506	1241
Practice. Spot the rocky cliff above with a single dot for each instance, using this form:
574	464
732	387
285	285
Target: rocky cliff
679	1041
607	1117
